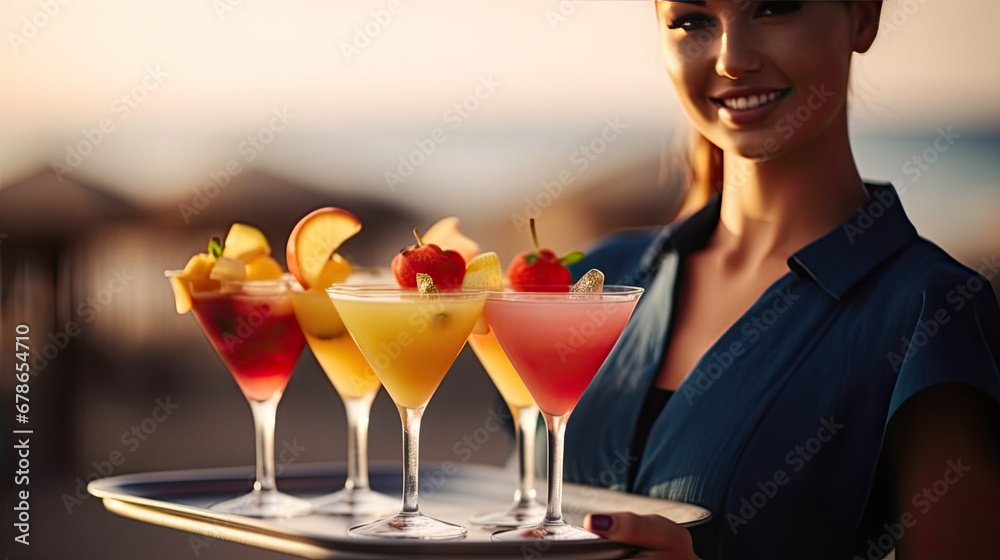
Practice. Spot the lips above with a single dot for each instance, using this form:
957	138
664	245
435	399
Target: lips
749	99
748	106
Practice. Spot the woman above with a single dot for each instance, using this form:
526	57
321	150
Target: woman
802	364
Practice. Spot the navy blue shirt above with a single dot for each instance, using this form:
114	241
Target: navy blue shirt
778	428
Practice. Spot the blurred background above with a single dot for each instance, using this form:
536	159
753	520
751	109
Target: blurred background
131	132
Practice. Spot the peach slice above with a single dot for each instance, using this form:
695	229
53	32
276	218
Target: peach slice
445	234
315	240
335	271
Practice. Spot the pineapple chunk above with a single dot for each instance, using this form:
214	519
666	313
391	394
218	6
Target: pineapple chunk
196	276
245	243
263	268
228	269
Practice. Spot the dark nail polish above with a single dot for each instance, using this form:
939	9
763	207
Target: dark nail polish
599	522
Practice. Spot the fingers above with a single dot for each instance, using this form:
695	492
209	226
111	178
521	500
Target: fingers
666	538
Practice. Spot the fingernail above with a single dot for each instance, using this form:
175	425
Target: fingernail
600	522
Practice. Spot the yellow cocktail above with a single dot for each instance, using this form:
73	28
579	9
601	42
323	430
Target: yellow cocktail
335	350
500	370
410	339
356	383
524	412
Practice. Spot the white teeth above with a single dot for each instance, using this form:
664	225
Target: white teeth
750	102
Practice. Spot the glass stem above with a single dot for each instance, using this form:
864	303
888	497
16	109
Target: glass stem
557	430
411	450
263	423
358	411
525	424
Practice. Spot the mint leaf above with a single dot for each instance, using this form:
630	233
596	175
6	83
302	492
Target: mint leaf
215	247
572	258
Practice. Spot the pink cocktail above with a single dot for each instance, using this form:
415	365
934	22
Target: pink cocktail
557	343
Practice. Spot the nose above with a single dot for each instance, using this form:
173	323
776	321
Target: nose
738	54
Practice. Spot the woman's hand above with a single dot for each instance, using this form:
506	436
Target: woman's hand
666	539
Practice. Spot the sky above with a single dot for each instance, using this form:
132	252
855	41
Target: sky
166	92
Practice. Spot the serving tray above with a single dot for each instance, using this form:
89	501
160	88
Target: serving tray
179	500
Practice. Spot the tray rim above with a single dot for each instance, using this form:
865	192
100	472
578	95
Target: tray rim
262	532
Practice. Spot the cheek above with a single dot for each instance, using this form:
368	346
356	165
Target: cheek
689	76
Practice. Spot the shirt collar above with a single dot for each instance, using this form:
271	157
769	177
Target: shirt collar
836	261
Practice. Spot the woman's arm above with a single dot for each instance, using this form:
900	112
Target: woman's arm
941	454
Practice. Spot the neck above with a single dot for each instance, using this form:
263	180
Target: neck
772	209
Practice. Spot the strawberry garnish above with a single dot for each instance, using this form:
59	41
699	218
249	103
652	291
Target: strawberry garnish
446	268
540	269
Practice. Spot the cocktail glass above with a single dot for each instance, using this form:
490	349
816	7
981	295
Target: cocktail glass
410	339
357	385
253	328
557	342
524	412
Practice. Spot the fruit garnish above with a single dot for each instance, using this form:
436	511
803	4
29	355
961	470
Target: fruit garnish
446	268
244	243
215	247
540	269
445	234
425	284
592	281
195	276
335	271
228	269
313	244
263	268
182	297
483	273
245	255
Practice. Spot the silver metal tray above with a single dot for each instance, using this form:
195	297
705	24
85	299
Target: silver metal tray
179	500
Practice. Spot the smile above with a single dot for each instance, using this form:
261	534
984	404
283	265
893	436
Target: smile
744	102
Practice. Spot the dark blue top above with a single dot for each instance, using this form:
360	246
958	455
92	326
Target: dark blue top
777	430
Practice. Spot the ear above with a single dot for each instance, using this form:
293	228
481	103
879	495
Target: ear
865	17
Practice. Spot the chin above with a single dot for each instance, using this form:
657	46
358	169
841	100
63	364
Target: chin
755	147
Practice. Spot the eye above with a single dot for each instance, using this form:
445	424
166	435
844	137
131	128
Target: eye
691	22
777	8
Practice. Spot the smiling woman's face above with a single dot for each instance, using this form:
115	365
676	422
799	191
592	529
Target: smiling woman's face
759	78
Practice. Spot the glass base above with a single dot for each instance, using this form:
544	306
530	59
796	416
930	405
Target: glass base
356	502
267	503
561	531
521	515
409	526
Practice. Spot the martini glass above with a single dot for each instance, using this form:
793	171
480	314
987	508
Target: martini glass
524	412
253	328
557	341
410	339
355	382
